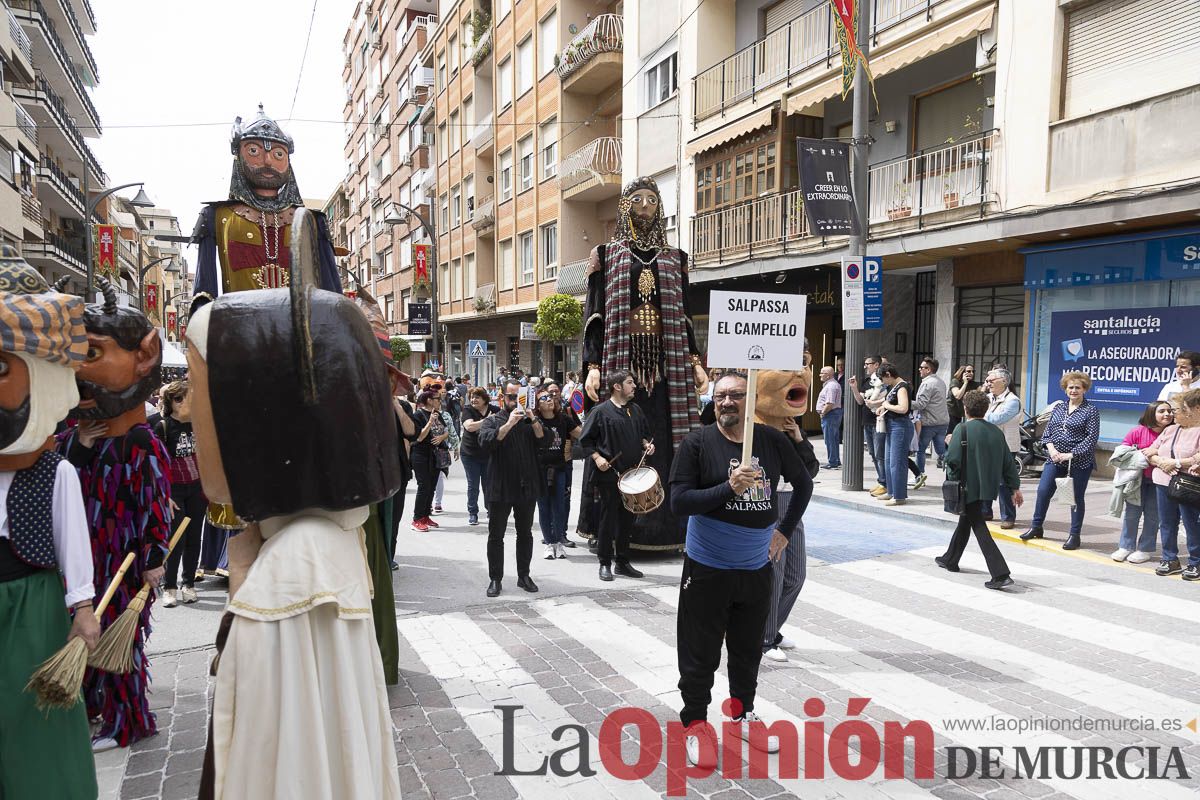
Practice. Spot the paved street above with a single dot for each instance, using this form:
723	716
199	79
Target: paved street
1076	640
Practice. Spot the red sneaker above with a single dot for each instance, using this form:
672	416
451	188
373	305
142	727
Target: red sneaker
419	525
430	523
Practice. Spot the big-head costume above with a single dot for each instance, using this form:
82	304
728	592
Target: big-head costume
636	318
301	443
44	542
244	240
125	475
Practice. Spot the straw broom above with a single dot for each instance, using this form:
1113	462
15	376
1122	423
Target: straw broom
114	652
58	680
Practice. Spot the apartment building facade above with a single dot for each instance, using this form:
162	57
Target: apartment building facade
525	171
1010	143
376	213
47	117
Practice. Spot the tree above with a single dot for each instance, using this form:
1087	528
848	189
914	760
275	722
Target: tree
401	349
559	318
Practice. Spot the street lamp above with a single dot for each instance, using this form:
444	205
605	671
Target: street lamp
141	201
393	218
142	279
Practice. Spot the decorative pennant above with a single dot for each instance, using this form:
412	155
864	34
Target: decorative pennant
106	249
151	297
845	18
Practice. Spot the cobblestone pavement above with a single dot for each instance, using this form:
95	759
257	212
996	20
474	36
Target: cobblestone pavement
1074	640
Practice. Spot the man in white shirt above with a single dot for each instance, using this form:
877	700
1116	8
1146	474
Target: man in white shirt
1004	411
1187	365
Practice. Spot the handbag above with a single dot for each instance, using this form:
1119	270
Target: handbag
1183	488
1064	492
954	492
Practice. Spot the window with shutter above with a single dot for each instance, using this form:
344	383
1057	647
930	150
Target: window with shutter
1122	51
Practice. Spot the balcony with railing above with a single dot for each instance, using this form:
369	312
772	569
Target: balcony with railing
807	42
58	251
50	112
593	172
483	219
31	209
483	136
591	62
19	37
945	185
33	15
76	43
64	186
25	123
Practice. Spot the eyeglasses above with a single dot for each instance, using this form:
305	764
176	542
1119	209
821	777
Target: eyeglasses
511	396
544	397
734	396
434	387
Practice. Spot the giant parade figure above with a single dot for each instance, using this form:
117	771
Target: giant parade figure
45	549
636	318
243	241
125	473
295	427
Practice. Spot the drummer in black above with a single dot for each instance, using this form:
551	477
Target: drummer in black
616	434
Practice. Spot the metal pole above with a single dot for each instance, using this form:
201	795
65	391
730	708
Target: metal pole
852	416
433	283
90	208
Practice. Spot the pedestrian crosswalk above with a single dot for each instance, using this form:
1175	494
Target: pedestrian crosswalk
984	669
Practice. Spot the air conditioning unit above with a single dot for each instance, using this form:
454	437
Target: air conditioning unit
376	197
376	271
379	91
406	161
377	41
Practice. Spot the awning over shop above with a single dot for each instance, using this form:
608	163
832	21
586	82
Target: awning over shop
171	355
572	278
936	40
727	133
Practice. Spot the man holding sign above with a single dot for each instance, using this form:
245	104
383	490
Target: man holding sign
734	534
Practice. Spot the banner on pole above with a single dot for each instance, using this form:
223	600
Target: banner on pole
106	250
151	297
845	19
172	321
825	186
421	277
756	330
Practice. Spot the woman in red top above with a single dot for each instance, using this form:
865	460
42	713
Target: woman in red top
1140	549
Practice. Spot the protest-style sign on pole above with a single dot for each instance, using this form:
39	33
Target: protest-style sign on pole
753	331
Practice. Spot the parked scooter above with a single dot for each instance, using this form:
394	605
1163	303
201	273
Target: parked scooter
1032	455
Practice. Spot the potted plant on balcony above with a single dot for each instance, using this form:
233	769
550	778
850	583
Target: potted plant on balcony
484	305
900	206
949	194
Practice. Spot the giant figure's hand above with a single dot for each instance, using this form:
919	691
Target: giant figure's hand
701	378
592	385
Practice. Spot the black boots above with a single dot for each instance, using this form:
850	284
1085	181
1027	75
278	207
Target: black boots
526	583
493	589
1072	542
1035	532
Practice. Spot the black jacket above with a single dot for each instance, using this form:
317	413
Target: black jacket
514	472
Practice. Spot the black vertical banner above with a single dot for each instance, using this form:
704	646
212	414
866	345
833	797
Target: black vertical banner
825	187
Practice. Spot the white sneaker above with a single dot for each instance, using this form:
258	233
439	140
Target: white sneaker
704	757
1120	554
1139	557
170	598
770	745
549	554
187	595
786	643
775	654
103	744
559	550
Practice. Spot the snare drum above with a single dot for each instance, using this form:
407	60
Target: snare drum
641	490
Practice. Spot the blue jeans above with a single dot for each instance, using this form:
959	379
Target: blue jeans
831	431
1008	509
879	454
553	506
899	435
1170	514
935	434
476	469
1047	488
1147	513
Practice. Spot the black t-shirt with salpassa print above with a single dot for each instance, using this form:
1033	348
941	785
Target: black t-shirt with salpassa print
705	461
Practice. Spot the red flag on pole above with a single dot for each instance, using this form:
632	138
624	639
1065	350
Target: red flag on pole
106	249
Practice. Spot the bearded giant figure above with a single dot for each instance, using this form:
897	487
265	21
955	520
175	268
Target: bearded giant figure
637	319
244	240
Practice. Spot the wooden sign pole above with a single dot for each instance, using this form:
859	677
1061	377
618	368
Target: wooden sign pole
748	435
